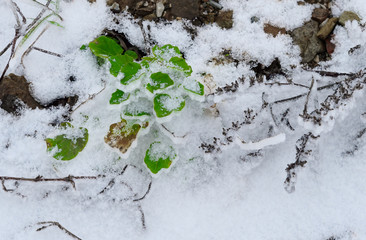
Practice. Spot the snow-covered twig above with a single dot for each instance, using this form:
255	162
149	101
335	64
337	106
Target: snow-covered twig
250	146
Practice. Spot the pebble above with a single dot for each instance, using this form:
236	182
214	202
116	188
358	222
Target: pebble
348	16
327	28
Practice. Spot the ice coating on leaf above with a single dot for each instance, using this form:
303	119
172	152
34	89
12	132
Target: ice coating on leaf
121	135
119	96
68	146
159	150
166	52
164	104
159	156
159	80
194	87
170	103
140	108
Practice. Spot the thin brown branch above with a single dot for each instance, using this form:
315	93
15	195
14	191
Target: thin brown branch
89	98
69	179
24	20
142	217
29	49
40	14
48	52
48	8
147	192
307	97
6	48
15	39
57	224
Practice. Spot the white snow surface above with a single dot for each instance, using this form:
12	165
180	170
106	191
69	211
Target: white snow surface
236	192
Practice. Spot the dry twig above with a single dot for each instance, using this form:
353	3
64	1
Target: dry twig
57	224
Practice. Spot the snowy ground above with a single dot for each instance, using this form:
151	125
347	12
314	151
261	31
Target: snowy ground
226	194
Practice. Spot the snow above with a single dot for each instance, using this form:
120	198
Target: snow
236	190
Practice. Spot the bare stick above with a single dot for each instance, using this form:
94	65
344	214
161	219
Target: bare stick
307	97
172	133
38	17
6	48
70	179
143	197
48	52
29	49
48	8
15	39
142	217
89	98
24	20
57	224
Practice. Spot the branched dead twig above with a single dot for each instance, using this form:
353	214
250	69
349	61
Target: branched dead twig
56	224
302	155
69	179
29	49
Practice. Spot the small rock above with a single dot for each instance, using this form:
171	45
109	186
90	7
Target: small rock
348	16
186	9
329	45
254	19
159	9
150	17
320	14
327	28
305	37
274	31
225	19
115	7
300	3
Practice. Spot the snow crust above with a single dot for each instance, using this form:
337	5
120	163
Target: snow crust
236	192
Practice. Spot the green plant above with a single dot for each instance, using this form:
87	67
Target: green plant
152	91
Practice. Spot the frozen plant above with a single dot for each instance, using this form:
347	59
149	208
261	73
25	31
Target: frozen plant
152	90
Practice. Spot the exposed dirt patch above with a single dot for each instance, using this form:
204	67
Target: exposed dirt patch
16	94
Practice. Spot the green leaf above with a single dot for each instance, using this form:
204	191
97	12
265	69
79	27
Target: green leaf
166	49
121	135
56	24
100	61
159	81
137	109
181	65
118	97
195	87
146	61
130	71
118	62
83	47
68	147
164	105
105	47
131	54
159	156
